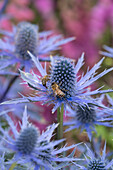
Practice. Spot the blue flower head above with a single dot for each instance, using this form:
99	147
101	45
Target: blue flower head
26	141
25	37
88	116
94	160
63	75
29	146
62	85
96	163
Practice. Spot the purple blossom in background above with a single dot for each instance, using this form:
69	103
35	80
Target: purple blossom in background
45	7
75	18
101	14
87	21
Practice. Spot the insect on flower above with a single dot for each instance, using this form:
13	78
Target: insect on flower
45	79
57	90
64	85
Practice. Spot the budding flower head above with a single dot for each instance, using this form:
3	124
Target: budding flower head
26	142
30	147
63	75
26	38
96	162
86	114
96	165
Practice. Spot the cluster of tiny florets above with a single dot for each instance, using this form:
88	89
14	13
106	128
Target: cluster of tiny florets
86	114
27	140
96	165
26	39
62	73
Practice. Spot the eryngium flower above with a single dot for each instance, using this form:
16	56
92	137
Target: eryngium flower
25	37
26	142
29	146
96	165
62	85
87	117
108	52
63	75
96	162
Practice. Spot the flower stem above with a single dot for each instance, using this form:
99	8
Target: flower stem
3	7
60	112
11	82
12	166
8	87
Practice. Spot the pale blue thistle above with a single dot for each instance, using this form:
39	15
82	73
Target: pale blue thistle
89	116
26	37
33	149
71	88
96	163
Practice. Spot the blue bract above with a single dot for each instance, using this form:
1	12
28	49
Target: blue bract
108	52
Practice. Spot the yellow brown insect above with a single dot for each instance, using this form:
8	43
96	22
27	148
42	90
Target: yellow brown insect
57	90
44	80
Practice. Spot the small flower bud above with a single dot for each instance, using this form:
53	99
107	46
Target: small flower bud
27	140
26	39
